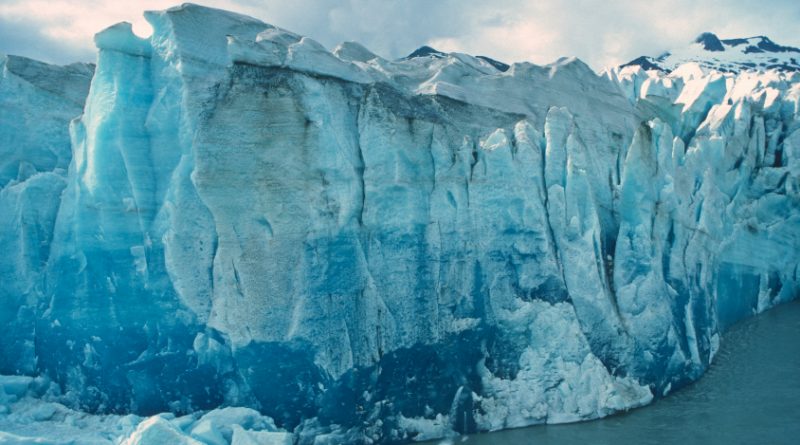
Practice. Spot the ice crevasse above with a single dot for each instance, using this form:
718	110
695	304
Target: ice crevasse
346	248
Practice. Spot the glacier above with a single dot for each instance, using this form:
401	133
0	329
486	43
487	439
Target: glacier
327	247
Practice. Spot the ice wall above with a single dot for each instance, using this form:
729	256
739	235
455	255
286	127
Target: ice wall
360	248
37	103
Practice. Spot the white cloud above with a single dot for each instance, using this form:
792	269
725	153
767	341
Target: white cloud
599	32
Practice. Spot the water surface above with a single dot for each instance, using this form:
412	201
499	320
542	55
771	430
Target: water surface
750	395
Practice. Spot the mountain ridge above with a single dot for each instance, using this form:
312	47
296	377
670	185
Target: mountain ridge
757	53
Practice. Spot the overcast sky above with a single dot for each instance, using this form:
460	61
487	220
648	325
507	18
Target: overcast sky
599	32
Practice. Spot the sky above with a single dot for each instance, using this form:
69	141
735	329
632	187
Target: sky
601	33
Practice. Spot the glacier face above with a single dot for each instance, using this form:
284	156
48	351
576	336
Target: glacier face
363	248
38	101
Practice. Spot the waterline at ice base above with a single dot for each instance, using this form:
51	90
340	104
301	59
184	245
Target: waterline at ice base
243	237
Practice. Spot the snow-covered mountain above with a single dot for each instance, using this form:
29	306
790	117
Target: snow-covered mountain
427	51
373	250
730	55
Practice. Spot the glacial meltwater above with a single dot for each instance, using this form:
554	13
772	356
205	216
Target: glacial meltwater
750	395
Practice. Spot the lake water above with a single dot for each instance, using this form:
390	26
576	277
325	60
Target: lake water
750	395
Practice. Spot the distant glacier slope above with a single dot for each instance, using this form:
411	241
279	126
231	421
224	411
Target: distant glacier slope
365	249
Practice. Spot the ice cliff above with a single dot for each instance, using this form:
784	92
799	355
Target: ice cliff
37	102
374	250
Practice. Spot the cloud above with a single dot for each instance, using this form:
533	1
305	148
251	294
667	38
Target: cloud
599	32
24	37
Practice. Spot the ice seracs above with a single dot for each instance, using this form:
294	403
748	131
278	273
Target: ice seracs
363	249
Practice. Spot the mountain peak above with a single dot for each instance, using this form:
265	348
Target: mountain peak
425	51
709	41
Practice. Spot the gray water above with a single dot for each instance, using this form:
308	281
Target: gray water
750	395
